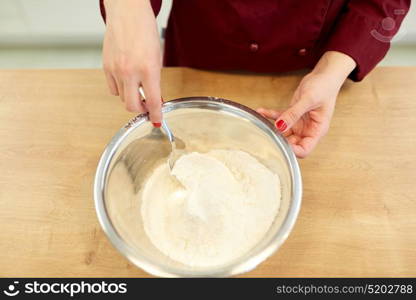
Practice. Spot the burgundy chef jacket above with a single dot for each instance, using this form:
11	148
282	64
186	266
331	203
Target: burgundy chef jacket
278	35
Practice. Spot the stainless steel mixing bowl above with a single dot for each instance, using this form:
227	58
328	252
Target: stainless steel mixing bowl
203	123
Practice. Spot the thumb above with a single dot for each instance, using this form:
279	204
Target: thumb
290	116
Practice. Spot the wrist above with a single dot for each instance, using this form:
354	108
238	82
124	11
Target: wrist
124	9
335	64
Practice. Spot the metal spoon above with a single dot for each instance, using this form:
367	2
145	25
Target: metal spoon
177	145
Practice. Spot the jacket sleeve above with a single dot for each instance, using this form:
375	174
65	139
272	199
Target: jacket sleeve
156	4
365	30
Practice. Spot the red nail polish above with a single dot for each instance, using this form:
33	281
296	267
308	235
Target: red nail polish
281	125
157	124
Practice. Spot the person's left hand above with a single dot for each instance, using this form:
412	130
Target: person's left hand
310	112
307	119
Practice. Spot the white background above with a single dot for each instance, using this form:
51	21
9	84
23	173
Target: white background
56	22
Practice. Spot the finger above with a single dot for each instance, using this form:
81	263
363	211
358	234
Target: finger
261	111
120	88
131	97
293	139
273	114
269	113
112	85
290	116
287	133
304	146
151	86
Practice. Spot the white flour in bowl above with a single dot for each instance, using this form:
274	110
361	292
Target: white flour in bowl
226	204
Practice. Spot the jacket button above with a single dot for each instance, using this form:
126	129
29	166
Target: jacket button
254	47
302	52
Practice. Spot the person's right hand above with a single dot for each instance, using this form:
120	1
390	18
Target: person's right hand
132	55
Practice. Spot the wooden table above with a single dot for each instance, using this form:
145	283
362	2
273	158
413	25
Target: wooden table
358	216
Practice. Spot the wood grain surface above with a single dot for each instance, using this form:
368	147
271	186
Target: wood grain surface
358	216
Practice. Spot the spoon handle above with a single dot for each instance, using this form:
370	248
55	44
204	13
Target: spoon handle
165	126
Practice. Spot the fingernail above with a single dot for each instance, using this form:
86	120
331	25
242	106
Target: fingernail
281	125
161	99
157	125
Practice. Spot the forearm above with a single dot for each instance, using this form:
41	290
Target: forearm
130	22
132	55
336	64
127	9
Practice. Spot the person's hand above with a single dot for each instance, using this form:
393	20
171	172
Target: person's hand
307	119
132	56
